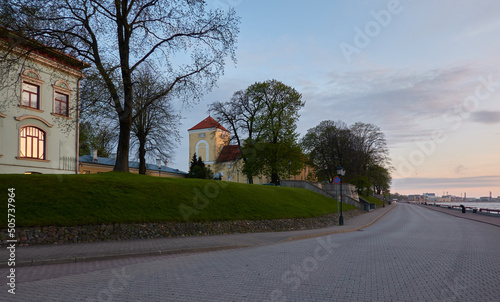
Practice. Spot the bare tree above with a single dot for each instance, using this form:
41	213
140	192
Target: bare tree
240	114
118	36
155	127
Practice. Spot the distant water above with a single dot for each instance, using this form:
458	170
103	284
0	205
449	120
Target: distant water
477	205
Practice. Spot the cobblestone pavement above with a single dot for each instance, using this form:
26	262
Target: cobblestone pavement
410	254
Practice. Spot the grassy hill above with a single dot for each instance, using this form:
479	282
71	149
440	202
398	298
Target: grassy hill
374	200
129	198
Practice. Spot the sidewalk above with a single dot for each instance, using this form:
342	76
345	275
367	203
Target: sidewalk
81	252
469	215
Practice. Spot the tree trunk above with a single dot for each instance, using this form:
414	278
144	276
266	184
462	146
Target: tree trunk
121	164
142	153
275	179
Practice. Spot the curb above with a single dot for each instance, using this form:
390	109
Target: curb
120	256
336	232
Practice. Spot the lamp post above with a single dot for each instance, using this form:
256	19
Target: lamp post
341	173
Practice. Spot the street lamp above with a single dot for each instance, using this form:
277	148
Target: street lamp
341	173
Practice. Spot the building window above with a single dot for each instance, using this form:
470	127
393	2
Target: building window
31	96
61	103
201	135
32	143
202	151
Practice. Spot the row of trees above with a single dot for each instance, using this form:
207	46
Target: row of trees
183	42
263	122
360	149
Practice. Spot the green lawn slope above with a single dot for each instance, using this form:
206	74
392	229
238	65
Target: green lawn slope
129	198
374	200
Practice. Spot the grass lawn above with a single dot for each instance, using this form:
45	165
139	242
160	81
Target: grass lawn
374	200
130	198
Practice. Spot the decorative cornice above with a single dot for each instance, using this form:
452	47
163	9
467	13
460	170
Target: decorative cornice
34	117
2	115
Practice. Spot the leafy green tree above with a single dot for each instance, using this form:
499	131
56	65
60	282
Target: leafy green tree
328	146
262	120
380	179
275	150
360	149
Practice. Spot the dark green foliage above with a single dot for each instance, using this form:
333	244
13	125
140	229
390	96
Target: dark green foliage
197	169
267	112
360	149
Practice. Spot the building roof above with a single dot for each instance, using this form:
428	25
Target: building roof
132	164
209	122
38	48
229	153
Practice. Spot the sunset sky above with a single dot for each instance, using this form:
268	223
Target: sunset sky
426	72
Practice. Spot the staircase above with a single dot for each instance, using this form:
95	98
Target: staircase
349	193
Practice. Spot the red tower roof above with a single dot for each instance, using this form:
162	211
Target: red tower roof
209	122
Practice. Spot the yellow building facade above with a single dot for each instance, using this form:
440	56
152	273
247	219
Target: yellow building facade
210	141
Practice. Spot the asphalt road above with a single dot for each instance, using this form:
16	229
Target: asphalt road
410	254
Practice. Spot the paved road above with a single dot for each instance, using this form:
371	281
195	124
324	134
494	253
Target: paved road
410	254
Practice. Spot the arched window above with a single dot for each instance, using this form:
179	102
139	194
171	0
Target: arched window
201	149
32	143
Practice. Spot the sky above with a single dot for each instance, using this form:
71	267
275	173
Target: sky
426	72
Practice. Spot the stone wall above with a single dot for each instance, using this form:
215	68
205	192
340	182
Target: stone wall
349	193
105	232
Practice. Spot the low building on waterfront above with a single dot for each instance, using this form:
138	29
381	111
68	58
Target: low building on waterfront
91	164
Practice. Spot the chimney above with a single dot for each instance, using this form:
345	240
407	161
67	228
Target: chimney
159	163
94	155
166	163
113	155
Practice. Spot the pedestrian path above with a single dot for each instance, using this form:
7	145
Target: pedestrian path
81	252
468	215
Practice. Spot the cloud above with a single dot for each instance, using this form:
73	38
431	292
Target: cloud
486	117
440	183
408	105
